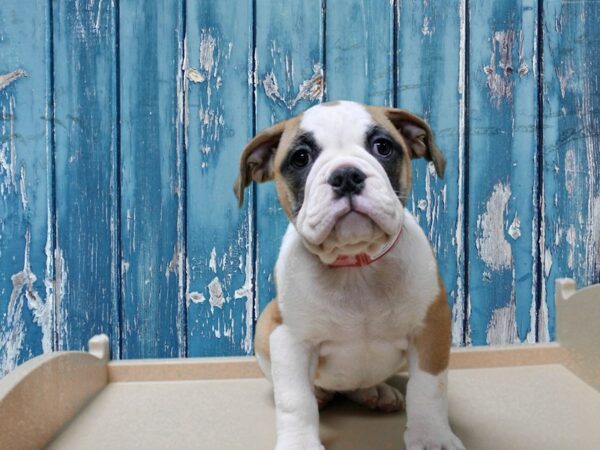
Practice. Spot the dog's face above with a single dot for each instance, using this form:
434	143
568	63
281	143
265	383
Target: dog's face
342	171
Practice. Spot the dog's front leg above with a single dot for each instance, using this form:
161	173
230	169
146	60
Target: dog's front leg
427	424
292	371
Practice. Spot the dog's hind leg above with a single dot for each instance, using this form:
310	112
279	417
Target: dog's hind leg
382	397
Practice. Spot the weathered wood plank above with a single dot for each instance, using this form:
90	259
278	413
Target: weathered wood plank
151	55
359	65
87	222
290	78
220	109
571	190
502	165
26	229
431	83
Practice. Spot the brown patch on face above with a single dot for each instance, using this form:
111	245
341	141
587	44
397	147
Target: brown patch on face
258	157
268	320
405	167
283	192
434	339
416	133
332	103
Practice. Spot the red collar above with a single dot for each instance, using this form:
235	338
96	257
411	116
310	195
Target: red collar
362	259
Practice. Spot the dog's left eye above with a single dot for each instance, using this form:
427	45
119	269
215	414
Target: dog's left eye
382	148
301	158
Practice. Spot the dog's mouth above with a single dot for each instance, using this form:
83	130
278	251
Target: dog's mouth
358	222
352	219
355	226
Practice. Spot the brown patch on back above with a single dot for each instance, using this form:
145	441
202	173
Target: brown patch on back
434	339
268	320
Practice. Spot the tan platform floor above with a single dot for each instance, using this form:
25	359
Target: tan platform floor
530	407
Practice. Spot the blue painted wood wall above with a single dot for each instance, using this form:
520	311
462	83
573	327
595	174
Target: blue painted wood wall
121	124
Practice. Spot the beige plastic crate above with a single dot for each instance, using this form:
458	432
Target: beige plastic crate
519	397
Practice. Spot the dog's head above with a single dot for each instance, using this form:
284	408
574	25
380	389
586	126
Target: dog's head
342	171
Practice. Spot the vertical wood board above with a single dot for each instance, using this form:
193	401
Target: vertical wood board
87	266
219	119
502	172
151	59
290	78
431	48
26	229
571	151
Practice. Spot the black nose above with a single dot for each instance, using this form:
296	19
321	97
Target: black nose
347	181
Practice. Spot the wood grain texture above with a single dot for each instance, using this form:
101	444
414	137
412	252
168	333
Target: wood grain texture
26	228
151	55
121	126
571	151
502	171
289	77
354	71
219	120
431	47
87	267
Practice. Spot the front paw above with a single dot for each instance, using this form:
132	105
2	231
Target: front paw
429	436
298	443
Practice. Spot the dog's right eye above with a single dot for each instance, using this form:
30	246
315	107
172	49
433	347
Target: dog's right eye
300	158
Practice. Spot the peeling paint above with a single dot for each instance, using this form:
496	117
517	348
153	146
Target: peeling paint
195	297
61	275
425	28
523	70
500	84
502	328
175	263
271	87
7	78
458	315
215	290
571	238
594	227
311	89
8	153
564	75
570	171
515	227
246	291
13	330
213	260
547	262
23	190
195	76
491	244
207	51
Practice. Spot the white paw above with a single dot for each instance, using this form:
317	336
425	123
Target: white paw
430	436
297	442
382	397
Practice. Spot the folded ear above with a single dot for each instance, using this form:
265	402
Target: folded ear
419	137
256	162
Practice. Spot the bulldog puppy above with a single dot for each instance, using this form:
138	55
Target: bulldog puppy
358	290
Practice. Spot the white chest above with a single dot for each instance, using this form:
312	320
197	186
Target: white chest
359	321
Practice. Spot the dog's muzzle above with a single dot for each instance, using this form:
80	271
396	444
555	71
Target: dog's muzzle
349	208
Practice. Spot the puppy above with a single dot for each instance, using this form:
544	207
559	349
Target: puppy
359	295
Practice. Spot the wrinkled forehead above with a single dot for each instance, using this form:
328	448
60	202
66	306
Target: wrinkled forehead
337	124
